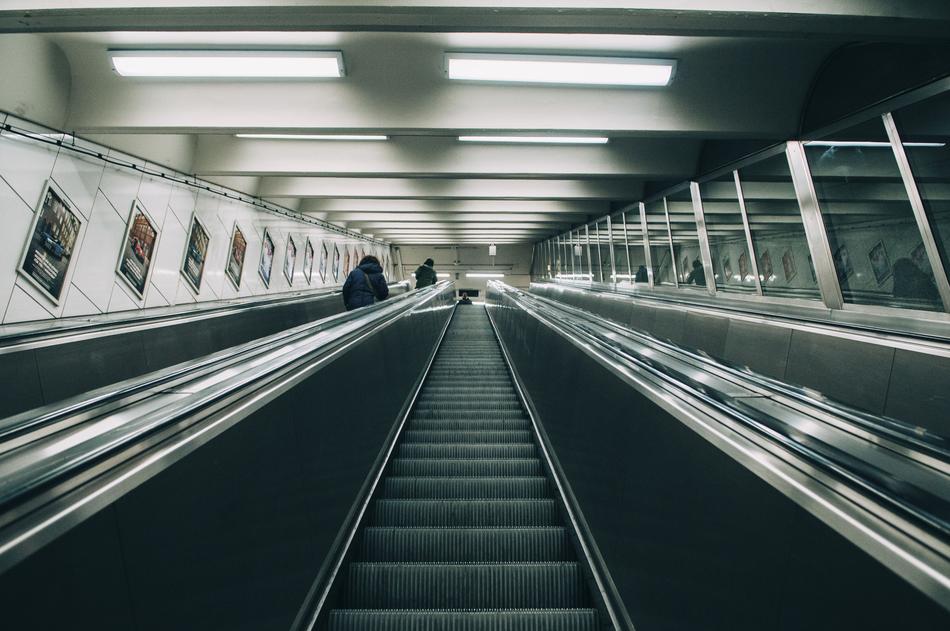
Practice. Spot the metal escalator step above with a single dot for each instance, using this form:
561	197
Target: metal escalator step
466	488
465	545
434	467
446	450
468	436
477	405
428	620
469	424
464	513
465	586
446	414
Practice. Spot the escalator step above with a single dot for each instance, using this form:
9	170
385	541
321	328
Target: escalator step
430	424
466	488
465	586
508	436
510	620
434	467
479	404
436	450
468	413
465	513
466	545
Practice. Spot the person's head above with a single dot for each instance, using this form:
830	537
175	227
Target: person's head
464	295
429	262
696	264
369	258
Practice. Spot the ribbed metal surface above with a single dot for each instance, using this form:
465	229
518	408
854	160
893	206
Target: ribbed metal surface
408	620
465	534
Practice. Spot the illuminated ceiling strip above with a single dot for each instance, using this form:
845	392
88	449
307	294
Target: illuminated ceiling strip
560	69
540	140
210	64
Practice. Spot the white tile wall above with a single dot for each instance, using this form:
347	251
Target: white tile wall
103	194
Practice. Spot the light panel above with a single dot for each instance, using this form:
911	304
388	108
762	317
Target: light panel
484	275
312	136
560	69
209	64
540	140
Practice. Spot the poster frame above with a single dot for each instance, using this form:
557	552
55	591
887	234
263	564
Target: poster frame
260	265
308	273
336	263
196	288
324	261
291	260
51	185
235	229
138	205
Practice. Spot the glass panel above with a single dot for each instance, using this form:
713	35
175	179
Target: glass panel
579	256
664	272
621	264
778	234
599	236
925	131
687	258
727	242
638	261
869	220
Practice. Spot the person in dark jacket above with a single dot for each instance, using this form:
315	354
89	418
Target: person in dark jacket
698	275
425	274
464	299
911	282
365	285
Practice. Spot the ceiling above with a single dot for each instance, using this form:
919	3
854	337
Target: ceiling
742	74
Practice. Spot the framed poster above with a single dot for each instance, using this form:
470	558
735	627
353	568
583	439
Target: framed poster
346	260
919	257
308	261
843	262
880	263
236	256
765	267
727	268
336	262
193	267
788	265
267	258
324	256
135	258
744	267
290	259
48	254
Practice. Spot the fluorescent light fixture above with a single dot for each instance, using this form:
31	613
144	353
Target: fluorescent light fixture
312	137
540	140
484	275
275	64
859	143
560	69
443	274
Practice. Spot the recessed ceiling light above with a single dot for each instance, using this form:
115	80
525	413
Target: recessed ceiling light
483	275
312	137
541	140
284	64
562	69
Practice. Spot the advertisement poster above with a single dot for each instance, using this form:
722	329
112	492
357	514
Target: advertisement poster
49	252
788	264
843	263
236	256
308	262
324	256
744	267
919	257
766	272
267	258
346	260
194	266
135	260
880	262
336	262
727	268
290	259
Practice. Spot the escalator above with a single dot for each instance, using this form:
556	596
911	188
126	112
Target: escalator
465	532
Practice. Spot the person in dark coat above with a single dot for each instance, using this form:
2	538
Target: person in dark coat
464	299
425	274
365	284
911	282
698	275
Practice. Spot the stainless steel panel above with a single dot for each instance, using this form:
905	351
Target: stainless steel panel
669	324
706	333
852	372
642	318
919	391
763	348
21	383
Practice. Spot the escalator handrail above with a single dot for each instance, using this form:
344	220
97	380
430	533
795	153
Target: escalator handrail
37	466
27	335
930	529
826	326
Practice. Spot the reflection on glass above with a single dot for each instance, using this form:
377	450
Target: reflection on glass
638	261
600	238
664	272
727	242
621	265
778	235
869	220
925	133
686	255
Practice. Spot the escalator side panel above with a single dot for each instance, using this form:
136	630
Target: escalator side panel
691	538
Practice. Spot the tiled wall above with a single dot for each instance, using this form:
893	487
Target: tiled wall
103	194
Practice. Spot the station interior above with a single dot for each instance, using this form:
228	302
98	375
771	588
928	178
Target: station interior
465	315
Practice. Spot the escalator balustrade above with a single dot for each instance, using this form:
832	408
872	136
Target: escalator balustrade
465	534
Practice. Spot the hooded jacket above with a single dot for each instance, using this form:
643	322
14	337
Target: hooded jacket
425	276
356	291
